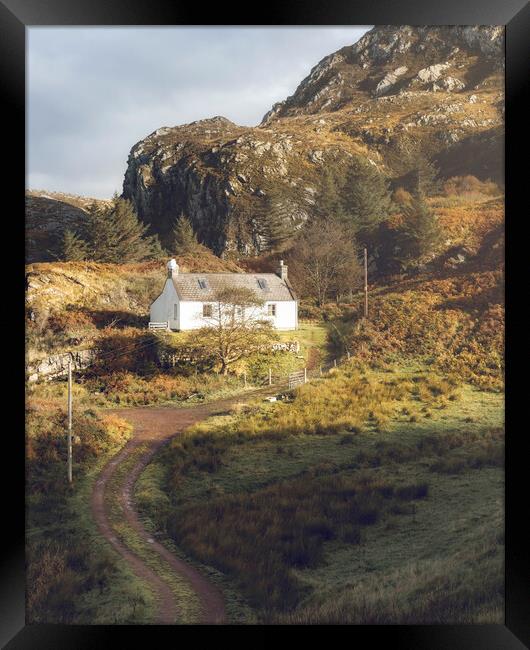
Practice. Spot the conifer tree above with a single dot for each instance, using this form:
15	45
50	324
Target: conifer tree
277	222
419	233
115	234
72	248
417	173
330	202
422	179
367	201
184	237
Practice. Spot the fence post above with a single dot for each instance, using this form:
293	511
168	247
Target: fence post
69	436
320	370
270	376
348	353
305	375
335	362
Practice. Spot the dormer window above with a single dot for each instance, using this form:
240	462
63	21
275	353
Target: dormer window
262	284
202	283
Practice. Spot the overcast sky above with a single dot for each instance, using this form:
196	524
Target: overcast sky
94	92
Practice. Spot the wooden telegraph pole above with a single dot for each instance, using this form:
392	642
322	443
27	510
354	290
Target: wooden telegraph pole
365	283
69	420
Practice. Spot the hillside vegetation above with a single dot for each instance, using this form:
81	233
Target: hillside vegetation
73	303
72	576
300	502
374	493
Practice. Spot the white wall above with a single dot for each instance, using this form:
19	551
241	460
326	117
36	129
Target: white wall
190	313
286	315
162	309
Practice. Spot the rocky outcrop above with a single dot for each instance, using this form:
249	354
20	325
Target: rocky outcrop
389	80
382	51
395	86
56	366
222	178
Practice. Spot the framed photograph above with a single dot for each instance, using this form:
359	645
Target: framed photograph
264	322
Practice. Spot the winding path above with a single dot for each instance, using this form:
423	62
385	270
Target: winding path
154	427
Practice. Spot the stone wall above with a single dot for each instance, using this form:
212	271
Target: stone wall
57	365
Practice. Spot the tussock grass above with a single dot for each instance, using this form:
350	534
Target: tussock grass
288	511
466	587
260	537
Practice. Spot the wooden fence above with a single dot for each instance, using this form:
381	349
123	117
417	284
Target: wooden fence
153	325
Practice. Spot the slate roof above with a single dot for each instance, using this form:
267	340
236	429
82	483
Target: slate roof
271	287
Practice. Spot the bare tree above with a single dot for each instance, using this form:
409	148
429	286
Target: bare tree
324	261
236	326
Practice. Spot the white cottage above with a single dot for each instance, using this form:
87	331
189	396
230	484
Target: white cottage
188	299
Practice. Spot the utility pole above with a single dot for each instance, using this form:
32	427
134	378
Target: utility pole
365	283
69	420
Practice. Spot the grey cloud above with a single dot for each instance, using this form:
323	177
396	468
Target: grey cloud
94	92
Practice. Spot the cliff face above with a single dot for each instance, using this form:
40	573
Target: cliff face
439	88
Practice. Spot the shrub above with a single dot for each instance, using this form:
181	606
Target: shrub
415	491
470	185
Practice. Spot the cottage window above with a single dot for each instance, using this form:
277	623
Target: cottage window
207	311
271	310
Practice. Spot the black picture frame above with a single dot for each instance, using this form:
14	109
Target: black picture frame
15	16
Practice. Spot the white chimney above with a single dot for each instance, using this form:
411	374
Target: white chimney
282	270
172	268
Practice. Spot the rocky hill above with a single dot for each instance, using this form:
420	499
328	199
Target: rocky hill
397	90
48	214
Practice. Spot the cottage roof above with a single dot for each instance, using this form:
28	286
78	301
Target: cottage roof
204	286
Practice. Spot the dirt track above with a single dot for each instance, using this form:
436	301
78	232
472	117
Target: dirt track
153	427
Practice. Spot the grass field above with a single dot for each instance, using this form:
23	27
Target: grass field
424	455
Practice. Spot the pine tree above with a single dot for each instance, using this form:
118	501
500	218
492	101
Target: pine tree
330	203
72	248
417	173
419	233
367	201
115	234
422	179
277	223
184	237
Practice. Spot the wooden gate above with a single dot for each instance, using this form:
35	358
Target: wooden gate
297	378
